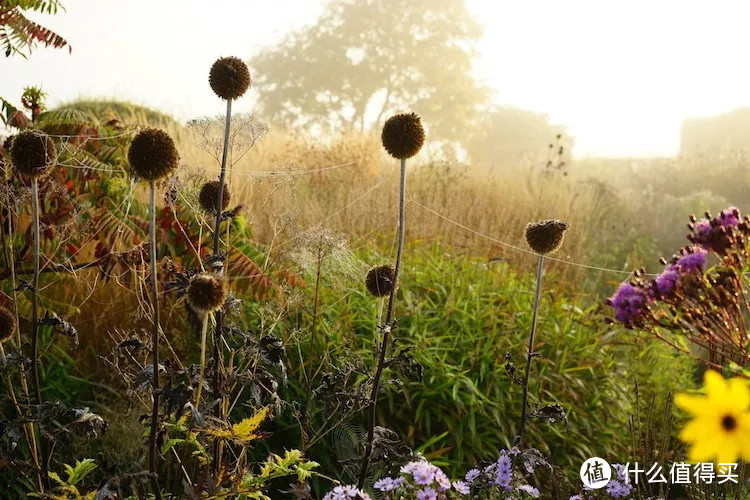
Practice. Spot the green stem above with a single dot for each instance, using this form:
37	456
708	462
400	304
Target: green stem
154	344
530	355
218	364
383	346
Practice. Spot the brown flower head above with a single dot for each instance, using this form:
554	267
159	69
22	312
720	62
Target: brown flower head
403	135
380	280
32	153
229	77
152	155
545	236
206	293
209	197
7	324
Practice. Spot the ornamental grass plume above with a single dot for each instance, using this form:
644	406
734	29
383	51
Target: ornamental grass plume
720	426
32	153
402	137
543	237
209	197
703	305
152	156
229	78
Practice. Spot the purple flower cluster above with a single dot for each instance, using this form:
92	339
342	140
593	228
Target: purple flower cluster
715	234
346	492
620	487
629	302
692	261
420	480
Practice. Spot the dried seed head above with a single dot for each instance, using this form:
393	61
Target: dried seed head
32	153
7	324
403	135
229	77
152	155
206	293
545	236
380	280
209	197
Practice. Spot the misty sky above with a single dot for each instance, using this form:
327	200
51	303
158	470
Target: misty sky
621	75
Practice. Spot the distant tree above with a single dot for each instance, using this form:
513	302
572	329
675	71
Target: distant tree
511	136
18	34
366	59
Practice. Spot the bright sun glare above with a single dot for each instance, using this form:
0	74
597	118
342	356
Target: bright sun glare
622	76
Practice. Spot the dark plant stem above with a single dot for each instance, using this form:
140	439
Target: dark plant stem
310	375
387	326
218	363
154	343
530	355
35	327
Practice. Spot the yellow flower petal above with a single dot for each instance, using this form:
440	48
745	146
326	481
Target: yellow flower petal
739	392
697	405
716	386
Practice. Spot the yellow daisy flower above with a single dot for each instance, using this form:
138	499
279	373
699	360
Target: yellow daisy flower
720	428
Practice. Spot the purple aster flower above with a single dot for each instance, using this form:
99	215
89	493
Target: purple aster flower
427	494
503	462
629	301
692	261
461	487
666	281
472	475
730	217
346	492
442	480
702	228
384	484
576	497
424	473
530	490
502	478
410	467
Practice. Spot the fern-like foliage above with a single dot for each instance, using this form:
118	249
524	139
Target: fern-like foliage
18	34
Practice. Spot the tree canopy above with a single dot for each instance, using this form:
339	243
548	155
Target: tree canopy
364	60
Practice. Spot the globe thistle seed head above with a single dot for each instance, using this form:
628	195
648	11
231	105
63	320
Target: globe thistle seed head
206	293
229	77
32	153
403	135
7	324
380	280
545	236
209	197
152	155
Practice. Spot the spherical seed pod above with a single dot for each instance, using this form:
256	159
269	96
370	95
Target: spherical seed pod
403	135
545	236
32	153
7	324
209	197
206	293
229	77
152	155
380	280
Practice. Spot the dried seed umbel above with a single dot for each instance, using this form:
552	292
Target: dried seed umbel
152	155
380	280
7	324
403	135
206	293
545	236
229	77
209	198
32	153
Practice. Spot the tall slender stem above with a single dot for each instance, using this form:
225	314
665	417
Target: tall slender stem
30	428
218	364
530	355
310	375
203	360
154	342
35	326
383	345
